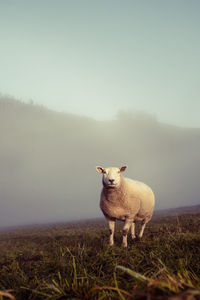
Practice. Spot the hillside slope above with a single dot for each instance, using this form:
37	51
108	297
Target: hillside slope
48	161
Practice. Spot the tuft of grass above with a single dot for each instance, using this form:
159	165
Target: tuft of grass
165	280
6	294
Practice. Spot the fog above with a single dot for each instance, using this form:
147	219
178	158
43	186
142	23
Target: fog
48	159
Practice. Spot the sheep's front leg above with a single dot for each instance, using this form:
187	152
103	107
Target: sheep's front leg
142	229
127	225
111	224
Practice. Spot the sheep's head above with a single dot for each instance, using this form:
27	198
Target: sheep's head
111	176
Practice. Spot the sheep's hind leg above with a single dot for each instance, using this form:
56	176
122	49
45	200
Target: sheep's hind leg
127	225
142	229
111	224
133	231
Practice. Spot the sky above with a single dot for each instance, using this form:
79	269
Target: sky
97	58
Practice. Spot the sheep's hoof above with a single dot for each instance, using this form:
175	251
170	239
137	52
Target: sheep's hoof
133	237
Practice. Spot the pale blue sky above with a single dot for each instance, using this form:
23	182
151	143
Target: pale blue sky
96	58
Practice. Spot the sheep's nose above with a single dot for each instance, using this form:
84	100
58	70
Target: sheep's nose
111	180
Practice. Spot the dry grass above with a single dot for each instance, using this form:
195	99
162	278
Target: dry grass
73	261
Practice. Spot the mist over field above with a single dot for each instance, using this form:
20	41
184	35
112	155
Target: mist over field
48	159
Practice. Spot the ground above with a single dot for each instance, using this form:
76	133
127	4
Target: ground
74	261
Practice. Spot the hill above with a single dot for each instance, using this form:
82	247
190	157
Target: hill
48	161
194	209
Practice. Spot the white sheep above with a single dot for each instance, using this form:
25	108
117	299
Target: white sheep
125	199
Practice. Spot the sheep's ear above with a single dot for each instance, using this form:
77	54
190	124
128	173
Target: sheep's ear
122	169
100	169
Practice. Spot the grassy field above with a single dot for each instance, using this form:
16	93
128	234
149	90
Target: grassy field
73	261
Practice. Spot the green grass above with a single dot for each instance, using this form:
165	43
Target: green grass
74	261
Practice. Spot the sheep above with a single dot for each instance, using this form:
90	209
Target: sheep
125	199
